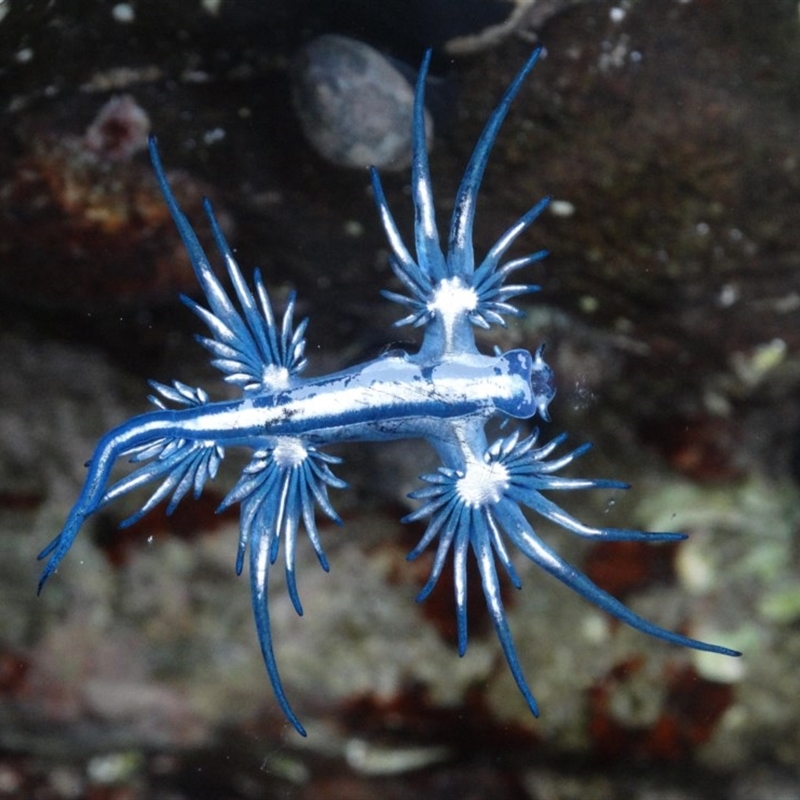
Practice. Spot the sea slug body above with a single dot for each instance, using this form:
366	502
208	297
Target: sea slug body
445	393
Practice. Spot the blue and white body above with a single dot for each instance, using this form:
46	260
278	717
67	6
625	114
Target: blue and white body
445	393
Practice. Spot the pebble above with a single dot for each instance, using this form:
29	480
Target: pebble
354	106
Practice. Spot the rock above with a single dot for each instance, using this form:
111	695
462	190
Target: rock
353	104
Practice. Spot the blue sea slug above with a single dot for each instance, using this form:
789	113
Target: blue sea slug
445	393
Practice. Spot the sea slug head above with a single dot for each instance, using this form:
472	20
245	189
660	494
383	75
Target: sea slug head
543	383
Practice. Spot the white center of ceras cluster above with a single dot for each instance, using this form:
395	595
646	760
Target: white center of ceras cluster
482	484
289	452
452	300
275	377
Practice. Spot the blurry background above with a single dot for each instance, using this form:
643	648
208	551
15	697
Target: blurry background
667	134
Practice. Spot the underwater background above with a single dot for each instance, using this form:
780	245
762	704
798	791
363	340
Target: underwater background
667	135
